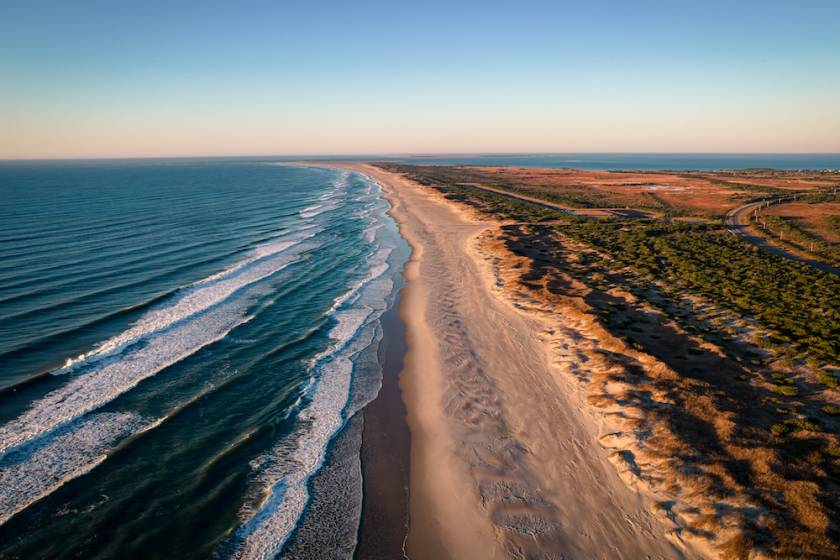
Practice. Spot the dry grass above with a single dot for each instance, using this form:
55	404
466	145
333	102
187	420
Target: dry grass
811	229
697	194
819	220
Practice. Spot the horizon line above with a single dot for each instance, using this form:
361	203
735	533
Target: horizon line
410	155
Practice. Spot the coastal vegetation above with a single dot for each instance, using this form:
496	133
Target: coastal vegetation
799	304
791	234
810	225
759	190
742	418
573	195
662	193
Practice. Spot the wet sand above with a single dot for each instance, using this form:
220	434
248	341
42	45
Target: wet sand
385	454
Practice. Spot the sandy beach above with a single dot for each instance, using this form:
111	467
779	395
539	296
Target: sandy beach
505	453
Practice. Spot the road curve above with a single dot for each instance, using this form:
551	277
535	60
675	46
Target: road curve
735	222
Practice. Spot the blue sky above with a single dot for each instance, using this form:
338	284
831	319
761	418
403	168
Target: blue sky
93	79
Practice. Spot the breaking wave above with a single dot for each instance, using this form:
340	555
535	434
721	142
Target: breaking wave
193	318
280	489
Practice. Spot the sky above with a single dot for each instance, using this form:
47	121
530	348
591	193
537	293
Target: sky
172	78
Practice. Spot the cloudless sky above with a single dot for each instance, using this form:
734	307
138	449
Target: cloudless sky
155	78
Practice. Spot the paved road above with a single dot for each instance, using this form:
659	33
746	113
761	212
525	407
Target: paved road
735	220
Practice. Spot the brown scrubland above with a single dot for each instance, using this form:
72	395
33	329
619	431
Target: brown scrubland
674	193
811	228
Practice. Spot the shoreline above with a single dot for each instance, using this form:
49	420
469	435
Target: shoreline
505	453
443	520
385	453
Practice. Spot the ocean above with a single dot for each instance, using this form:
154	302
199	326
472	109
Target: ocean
184	348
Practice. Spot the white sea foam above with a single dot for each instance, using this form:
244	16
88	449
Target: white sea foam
317	209
311	211
329	200
370	232
196	317
34	471
378	266
284	471
57	438
188	301
342	181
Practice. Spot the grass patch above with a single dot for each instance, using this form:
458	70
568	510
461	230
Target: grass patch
786	390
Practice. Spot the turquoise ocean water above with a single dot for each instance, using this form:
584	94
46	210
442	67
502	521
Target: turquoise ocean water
181	342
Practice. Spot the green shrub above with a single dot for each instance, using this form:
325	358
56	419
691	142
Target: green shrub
827	378
787	390
780	429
